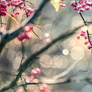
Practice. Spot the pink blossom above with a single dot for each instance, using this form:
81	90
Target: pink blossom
78	37
62	5
3	8
17	2
35	72
44	88
89	47
28	28
19	90
86	42
86	37
82	5
48	40
82	33
17	13
29	11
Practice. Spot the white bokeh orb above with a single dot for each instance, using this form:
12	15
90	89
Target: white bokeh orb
65	51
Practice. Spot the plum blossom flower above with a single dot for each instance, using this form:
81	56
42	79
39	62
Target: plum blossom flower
3	8
17	2
82	5
26	33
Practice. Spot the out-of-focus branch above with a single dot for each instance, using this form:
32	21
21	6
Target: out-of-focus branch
29	61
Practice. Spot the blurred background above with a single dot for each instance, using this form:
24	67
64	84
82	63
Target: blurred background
56	59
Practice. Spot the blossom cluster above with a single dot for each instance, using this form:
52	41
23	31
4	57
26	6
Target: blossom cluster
84	35
17	3
82	5
26	33
3	7
32	79
62	4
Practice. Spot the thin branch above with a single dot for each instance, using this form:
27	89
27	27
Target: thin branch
86	24
52	82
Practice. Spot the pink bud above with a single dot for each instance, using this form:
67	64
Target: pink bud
89	47
62	0
82	33
88	8
19	90
44	88
83	5
78	37
89	3
26	29
12	15
81	10
31	26
48	41
8	4
21	7
28	35
21	36
86	42
35	72
38	70
30	79
91	41
40	39
73	4
17	13
75	8
79	7
85	37
62	5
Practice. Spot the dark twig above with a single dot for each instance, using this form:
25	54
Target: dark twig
22	52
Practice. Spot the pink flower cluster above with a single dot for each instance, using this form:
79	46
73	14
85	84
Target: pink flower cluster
44	88
20	3
28	11
62	4
17	3
83	34
3	7
26	33
34	73
82	5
